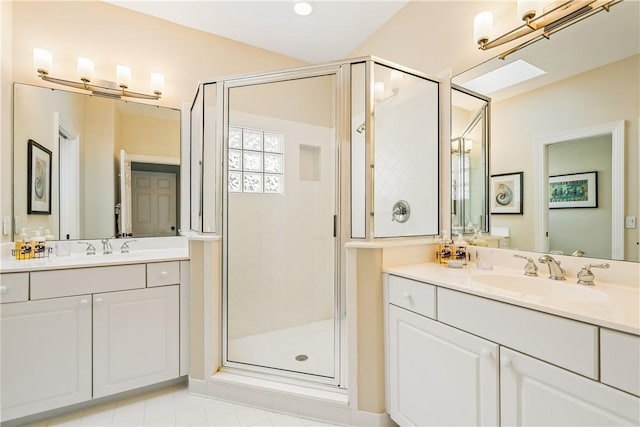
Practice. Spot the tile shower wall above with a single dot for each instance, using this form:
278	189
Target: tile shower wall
309	176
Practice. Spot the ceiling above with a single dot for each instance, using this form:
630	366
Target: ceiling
334	29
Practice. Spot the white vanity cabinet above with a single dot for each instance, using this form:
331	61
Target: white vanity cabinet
438	375
443	367
62	346
534	393
46	354
135	339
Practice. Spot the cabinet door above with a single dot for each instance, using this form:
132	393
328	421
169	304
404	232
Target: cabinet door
135	339
46	355
438	375
534	393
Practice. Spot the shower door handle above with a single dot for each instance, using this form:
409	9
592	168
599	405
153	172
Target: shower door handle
335	225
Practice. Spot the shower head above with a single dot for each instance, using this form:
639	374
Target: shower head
360	128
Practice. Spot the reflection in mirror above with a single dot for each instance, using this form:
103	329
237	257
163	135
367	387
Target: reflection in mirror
86	135
469	156
585	76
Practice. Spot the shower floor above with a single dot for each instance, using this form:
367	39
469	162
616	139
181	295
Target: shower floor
279	349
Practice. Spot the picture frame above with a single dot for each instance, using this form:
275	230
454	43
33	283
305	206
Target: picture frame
576	190
505	193
38	179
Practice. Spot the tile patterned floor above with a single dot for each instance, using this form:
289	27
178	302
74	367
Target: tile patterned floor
173	406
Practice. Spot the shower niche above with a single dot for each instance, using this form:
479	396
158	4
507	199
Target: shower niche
288	166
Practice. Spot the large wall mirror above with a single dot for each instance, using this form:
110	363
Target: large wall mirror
69	149
572	120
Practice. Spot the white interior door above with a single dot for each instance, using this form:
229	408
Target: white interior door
153	203
69	187
125	195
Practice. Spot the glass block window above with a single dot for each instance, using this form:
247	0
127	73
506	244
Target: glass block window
255	161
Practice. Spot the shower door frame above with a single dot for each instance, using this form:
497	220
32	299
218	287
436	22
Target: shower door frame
341	73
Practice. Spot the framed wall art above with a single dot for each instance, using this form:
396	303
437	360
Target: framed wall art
505	193
38	179
577	190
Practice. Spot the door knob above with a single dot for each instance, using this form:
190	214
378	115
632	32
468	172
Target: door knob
98	300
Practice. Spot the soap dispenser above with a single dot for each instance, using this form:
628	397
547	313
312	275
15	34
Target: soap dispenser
444	248
461	249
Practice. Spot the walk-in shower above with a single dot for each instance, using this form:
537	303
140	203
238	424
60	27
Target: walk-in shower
282	167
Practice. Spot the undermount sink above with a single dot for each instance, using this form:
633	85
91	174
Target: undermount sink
541	287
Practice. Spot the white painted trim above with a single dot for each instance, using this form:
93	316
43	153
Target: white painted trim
617	132
197	387
159	160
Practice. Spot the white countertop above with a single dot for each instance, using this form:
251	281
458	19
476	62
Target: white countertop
619	309
98	260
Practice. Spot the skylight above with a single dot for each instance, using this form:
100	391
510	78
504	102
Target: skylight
509	75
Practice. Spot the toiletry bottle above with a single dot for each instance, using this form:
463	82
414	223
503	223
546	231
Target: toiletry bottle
461	249
38	244
444	248
26	250
18	245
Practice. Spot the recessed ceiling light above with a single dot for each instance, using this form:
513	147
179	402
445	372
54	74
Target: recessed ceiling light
303	8
503	77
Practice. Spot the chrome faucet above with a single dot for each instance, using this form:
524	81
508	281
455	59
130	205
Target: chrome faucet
531	269
91	250
555	271
586	276
124	249
106	247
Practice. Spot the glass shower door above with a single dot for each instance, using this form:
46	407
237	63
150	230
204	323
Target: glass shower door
280	236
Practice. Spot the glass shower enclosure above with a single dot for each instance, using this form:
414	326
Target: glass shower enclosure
287	167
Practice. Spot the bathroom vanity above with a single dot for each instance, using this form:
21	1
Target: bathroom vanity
471	347
84	327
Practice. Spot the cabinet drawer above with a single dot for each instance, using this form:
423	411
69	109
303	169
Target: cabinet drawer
163	273
59	283
415	296
567	343
620	360
14	287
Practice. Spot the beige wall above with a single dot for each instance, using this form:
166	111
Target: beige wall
111	35
520	121
148	135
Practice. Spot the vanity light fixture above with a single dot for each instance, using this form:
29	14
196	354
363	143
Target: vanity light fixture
43	60
540	21
303	8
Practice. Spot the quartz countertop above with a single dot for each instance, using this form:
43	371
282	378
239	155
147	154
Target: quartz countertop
98	260
614	306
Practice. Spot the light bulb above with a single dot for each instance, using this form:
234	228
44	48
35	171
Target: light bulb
396	78
85	69
482	27
123	76
157	83
303	8
42	60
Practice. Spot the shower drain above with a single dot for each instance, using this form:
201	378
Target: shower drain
301	357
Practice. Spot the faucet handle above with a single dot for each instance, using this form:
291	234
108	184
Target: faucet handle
124	249
91	250
586	276
530	269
